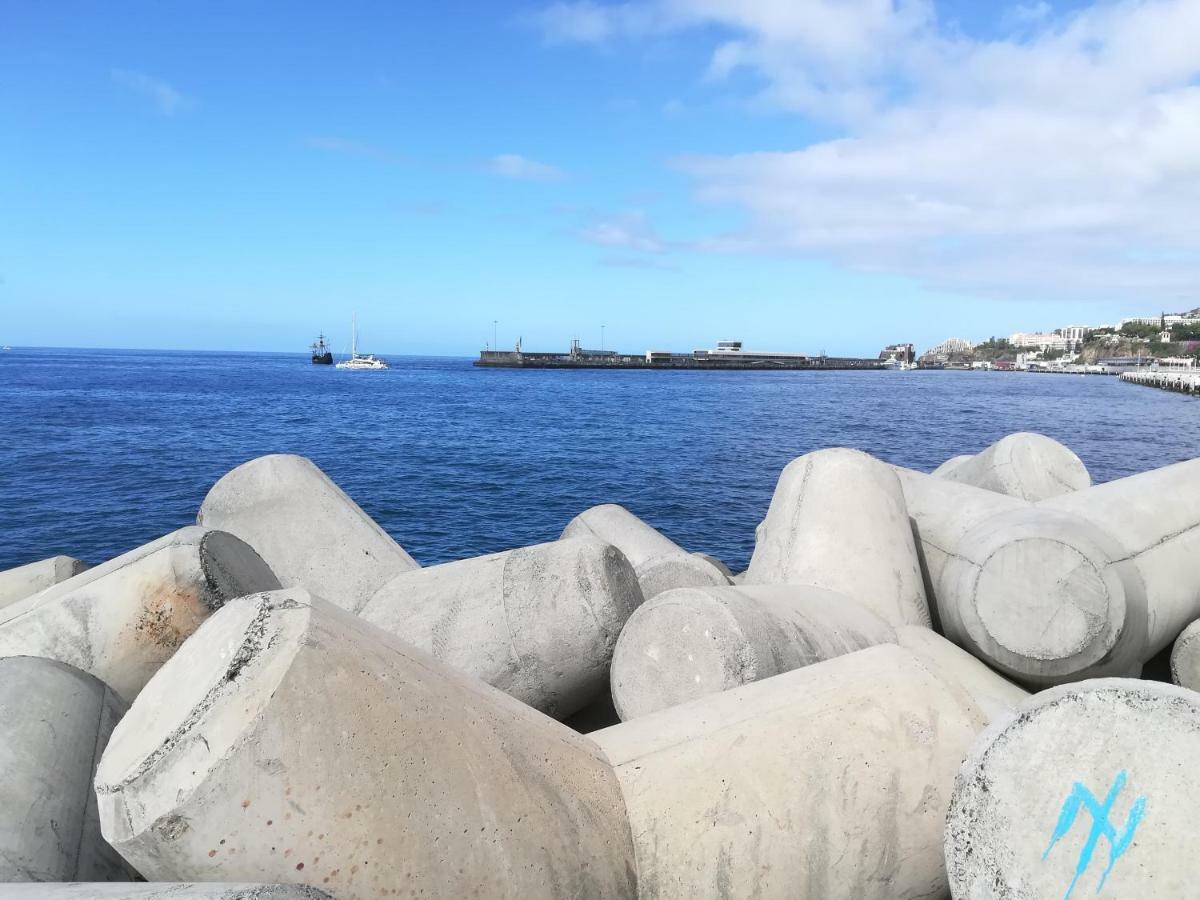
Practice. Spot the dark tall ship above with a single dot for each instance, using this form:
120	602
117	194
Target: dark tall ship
321	354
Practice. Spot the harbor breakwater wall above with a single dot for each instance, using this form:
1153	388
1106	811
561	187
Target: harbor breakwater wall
925	685
1182	382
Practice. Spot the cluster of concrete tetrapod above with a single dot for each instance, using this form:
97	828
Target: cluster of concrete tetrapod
922	685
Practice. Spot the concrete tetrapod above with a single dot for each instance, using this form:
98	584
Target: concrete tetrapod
690	642
659	562
121	620
1046	597
25	581
838	520
1156	518
823	782
162	890
539	623
290	741
1185	658
54	721
1085	584
310	533
1091	789
1025	465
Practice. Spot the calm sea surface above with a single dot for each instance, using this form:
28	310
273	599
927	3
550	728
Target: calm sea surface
105	450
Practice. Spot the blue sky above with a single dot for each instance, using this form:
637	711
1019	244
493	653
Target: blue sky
804	176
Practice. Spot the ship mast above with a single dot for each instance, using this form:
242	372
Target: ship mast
354	336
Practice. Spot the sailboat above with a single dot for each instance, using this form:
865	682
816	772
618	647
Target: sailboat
357	360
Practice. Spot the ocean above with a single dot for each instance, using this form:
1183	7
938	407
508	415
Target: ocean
105	450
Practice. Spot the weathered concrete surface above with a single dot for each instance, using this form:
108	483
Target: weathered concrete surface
1185	658
539	622
54	722
827	781
1155	516
123	619
310	533
1025	465
1045	597
1091	785
691	642
659	562
838	520
290	741
952	463
162	890
994	694
25	581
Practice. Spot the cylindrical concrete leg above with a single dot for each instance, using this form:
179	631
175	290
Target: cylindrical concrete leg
1025	465
54	723
942	512
837	520
162	890
690	642
290	741
827	781
995	695
659	562
310	533
1045	597
1155	516
25	581
539	623
1091	789
1185	658
121	620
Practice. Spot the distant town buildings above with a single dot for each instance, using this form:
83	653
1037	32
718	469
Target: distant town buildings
1040	340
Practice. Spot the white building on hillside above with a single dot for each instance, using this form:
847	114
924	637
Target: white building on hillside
1040	340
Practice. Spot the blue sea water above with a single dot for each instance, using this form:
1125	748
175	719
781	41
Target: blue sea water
104	450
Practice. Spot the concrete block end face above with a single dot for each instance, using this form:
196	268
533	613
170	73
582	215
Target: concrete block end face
180	727
1045	597
677	570
1090	789
682	644
231	569
1185	658
288	723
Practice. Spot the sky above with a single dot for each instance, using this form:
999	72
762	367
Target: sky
802	175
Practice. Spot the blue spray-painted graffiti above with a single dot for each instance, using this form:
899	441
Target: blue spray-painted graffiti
1102	827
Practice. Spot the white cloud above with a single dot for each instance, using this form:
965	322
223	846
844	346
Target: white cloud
1065	162
631	230
166	98
510	165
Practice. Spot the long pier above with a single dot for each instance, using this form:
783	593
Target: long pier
1182	382
516	359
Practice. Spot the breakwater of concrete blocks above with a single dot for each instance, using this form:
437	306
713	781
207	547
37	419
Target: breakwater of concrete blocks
1181	382
925	685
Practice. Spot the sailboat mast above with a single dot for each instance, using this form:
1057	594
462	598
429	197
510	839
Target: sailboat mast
354	336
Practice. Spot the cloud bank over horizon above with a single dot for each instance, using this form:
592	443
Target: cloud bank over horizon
1058	157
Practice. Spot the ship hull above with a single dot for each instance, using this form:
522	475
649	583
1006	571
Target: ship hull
322	359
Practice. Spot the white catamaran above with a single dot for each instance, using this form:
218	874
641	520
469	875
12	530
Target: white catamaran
357	360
